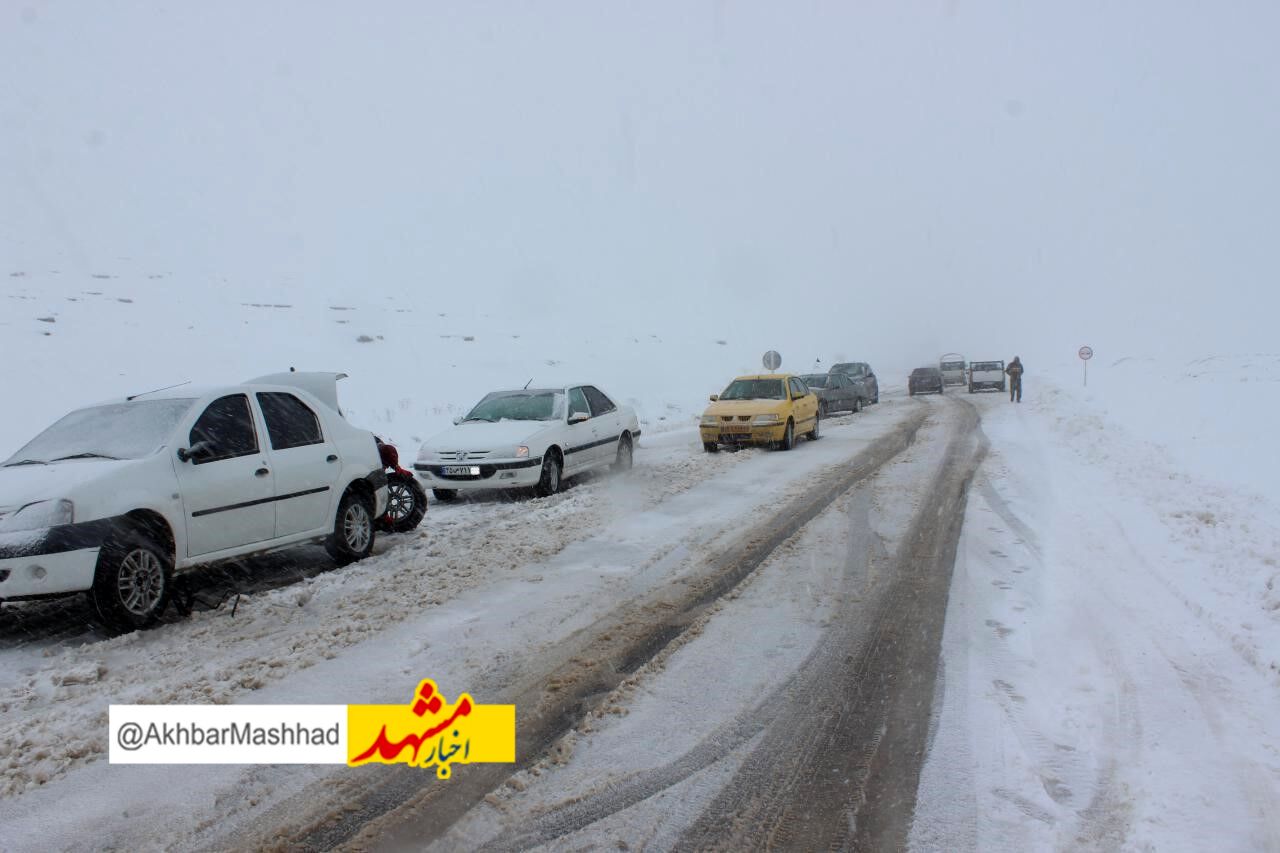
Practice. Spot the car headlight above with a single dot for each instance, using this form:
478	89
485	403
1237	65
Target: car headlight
426	454
765	420
710	420
39	514
522	452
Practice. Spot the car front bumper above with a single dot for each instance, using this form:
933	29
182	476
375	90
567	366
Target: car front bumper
50	561
495	474
751	435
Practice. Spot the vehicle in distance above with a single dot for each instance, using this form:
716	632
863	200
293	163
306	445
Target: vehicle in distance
953	368
534	437
986	376
836	392
112	499
863	377
925	380
766	410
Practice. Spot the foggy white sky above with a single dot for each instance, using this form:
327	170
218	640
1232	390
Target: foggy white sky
904	177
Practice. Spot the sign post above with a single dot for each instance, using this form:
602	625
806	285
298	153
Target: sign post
1085	354
772	361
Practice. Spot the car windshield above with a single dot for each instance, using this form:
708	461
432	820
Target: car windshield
755	389
519	406
113	431
924	371
815	380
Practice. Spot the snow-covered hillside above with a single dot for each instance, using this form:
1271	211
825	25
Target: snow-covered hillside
416	357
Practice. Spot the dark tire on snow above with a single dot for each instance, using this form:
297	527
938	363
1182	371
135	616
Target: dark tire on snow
710	447
353	529
815	433
857	405
133	581
445	495
625	458
406	504
552	471
788	437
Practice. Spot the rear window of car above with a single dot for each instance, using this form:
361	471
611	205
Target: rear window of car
953	365
986	365
815	380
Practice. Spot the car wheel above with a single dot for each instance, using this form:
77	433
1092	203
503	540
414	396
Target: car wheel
710	447
549	482
857	405
133	581
406	504
911	392
822	409
815	433
625	458
788	437
445	495
875	399
352	537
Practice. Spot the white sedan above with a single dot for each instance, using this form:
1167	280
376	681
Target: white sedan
534	437
114	498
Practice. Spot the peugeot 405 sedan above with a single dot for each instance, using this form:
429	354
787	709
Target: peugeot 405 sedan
112	499
530	438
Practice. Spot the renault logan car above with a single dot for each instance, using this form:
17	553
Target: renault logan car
533	437
112	499
769	410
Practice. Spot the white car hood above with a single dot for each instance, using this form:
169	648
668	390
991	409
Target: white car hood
22	484
481	435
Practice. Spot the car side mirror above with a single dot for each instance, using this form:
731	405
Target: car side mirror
457	420
579	417
715	397
199	450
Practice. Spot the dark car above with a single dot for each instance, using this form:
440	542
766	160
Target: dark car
836	392
863	377
925	380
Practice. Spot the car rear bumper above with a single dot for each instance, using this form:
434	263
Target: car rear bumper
499	474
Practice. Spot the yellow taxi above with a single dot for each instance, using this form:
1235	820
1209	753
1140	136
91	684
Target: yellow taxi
767	409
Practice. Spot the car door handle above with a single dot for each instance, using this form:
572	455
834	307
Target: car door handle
261	472
332	457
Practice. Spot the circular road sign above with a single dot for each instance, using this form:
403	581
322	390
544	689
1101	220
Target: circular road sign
1086	353
772	360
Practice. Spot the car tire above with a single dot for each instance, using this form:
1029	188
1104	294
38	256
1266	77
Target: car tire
857	405
822	409
550	481
625	458
815	433
353	529
406	504
445	495
710	447
132	582
788	437
910	393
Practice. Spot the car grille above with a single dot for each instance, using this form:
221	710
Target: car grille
463	455
729	418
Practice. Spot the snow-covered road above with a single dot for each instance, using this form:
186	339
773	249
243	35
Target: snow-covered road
739	649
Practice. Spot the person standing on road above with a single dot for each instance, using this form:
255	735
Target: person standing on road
1015	379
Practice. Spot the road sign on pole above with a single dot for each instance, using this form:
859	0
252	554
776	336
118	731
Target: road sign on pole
1085	354
772	360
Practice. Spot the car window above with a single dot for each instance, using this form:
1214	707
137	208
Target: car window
797	389
600	404
227	426
578	402
755	389
290	422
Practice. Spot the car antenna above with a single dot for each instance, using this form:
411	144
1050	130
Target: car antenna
527	384
158	390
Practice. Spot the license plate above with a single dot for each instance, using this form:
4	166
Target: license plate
460	471
737	429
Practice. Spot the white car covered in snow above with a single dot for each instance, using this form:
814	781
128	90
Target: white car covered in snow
112	499
529	438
